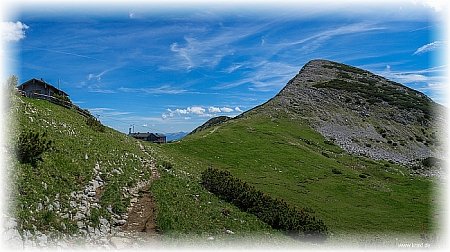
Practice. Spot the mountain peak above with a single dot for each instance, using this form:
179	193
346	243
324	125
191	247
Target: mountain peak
362	112
320	62
321	70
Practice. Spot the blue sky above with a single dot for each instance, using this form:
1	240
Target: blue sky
171	69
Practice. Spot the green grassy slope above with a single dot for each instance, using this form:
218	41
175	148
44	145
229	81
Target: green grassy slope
70	165
184	208
288	160
278	155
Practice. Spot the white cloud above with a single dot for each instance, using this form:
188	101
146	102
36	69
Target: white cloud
428	47
214	110
11	31
196	110
226	110
181	111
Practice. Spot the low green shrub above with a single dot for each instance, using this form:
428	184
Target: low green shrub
30	147
95	124
166	165
394	94
277	213
329	142
326	154
336	171
344	75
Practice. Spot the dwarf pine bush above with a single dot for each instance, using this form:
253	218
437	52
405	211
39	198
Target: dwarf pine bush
95	124
30	147
277	213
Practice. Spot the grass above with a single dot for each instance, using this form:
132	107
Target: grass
187	210
279	156
77	148
283	157
184	208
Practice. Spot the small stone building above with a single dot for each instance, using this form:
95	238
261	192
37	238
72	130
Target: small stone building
150	137
39	87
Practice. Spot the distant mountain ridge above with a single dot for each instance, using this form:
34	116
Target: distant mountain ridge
175	136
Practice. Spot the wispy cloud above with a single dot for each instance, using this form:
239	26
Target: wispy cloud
429	75
207	50
266	76
65	53
429	80
314	41
164	89
262	73
233	67
108	112
100	90
98	76
185	53
428	47
12	32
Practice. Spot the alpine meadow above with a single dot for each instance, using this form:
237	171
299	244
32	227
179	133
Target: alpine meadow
225	126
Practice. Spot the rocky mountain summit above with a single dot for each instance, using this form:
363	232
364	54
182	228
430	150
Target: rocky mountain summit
363	113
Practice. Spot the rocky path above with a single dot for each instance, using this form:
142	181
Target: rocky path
141	218
142	215
134	229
